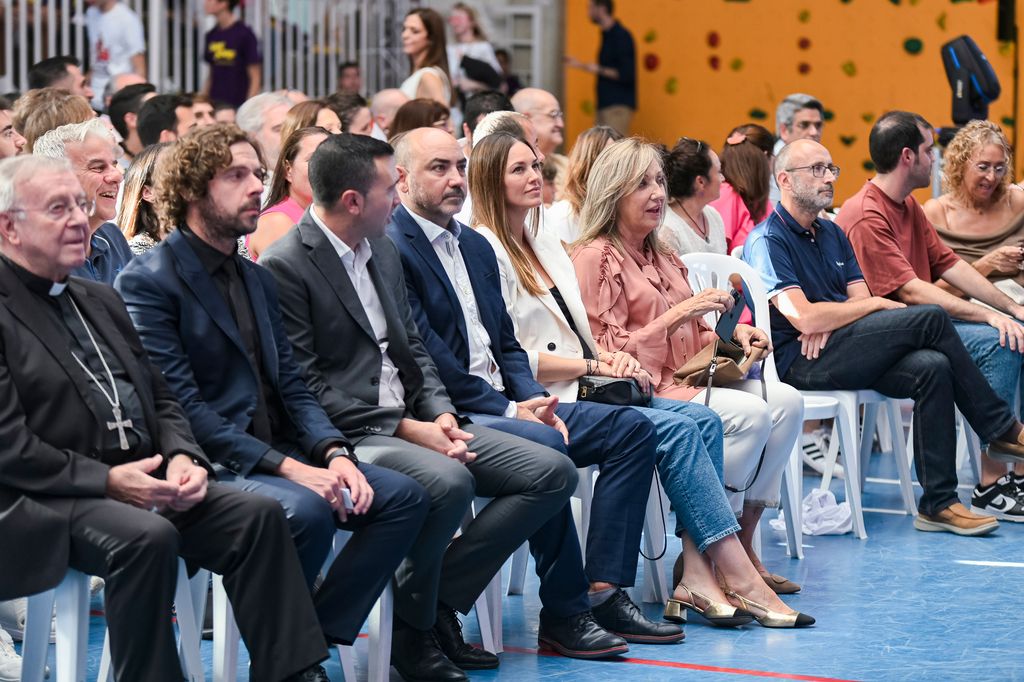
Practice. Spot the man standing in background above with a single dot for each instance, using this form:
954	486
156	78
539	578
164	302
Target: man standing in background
615	68
117	43
233	53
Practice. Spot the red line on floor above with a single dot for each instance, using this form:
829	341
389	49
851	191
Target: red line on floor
695	666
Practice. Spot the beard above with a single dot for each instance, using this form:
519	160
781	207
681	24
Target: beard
223	225
811	199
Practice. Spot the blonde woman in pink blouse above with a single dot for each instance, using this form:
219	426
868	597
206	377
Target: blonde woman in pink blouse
638	300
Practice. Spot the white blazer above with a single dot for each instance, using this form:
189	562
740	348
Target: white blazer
539	324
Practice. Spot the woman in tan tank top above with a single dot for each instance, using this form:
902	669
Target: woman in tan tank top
981	214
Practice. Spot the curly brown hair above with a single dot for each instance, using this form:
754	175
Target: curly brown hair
183	174
970	140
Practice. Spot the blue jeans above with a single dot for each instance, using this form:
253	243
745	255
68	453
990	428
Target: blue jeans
690	466
1000	365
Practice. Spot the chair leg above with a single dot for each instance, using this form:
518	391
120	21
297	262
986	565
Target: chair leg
846	431
483	617
792	503
656	588
867	437
72	600
381	621
895	419
225	635
347	659
37	636
517	571
188	627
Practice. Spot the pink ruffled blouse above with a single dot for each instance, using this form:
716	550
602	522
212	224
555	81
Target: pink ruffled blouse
625	294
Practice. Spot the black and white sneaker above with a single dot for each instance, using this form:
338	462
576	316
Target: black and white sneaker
1002	500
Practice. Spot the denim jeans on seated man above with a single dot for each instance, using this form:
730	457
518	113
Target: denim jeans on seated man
913	352
1001	365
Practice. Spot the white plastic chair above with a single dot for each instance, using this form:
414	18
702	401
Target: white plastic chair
189	605
710	269
72	601
379	624
655	588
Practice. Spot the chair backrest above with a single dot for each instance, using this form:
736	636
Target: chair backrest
713	270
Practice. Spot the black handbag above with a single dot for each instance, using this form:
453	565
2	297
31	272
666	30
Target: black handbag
622	391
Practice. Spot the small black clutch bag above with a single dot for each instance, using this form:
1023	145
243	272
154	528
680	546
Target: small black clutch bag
624	391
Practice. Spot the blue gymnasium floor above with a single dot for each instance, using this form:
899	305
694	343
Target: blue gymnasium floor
902	605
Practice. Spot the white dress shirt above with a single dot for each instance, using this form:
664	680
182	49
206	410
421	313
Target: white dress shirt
446	245
391	390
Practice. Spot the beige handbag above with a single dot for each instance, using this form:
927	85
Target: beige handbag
717	361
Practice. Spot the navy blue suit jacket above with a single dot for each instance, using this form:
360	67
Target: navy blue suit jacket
189	331
438	315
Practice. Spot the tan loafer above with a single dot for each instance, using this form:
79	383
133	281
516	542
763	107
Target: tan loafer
1006	451
780	585
956	519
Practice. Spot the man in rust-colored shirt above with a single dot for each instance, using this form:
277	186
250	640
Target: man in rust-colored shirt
903	258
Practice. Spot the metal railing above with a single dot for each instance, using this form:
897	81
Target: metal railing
302	41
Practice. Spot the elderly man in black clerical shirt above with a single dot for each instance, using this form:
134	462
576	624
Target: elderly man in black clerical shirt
96	456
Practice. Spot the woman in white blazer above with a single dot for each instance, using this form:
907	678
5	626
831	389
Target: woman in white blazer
542	295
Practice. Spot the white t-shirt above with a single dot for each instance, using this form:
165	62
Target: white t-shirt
114	38
678	234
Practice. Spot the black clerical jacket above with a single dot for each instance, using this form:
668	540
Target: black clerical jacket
49	426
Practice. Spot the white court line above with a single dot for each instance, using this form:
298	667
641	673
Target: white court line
995	564
893	481
897	512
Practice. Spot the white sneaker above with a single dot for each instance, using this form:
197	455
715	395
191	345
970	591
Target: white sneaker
12	619
10	661
814	446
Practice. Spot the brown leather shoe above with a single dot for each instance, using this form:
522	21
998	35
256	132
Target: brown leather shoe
780	585
1005	451
956	519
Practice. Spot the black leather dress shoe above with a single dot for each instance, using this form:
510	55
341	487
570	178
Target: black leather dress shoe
619	615
578	636
314	674
449	636
417	657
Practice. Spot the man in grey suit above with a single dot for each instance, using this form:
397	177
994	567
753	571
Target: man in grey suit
344	301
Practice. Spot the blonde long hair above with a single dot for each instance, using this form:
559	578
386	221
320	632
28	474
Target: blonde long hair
617	172
487	187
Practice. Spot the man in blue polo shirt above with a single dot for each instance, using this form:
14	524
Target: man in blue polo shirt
830	333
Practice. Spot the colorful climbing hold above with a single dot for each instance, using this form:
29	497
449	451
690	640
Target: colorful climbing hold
867	117
849	68
868	165
588	107
736	64
715	62
941	21
1005	48
713	39
672	85
848	140
651	61
1008	121
913	45
804	16
828	114
757	114
803	43
650	36
803	68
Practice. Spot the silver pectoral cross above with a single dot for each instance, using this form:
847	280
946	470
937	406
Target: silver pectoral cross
120	424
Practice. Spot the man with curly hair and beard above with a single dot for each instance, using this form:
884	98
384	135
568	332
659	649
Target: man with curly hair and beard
210	320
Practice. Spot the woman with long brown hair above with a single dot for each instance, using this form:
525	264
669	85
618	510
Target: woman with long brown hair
137	215
561	216
424	42
747	167
290	193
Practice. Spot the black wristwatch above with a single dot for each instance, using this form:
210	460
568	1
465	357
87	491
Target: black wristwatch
341	451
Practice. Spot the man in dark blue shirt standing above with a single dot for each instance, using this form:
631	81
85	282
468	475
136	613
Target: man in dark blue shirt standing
830	333
615	68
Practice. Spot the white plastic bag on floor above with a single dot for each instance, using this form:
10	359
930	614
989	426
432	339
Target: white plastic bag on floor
822	515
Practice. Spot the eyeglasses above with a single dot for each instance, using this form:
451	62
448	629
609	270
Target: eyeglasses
554	115
60	210
999	169
818	169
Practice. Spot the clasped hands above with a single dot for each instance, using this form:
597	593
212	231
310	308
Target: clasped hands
441	435
133	483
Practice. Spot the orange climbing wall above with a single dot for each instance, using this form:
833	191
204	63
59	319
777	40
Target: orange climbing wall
705	66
